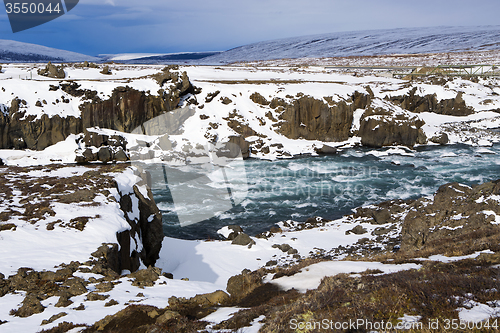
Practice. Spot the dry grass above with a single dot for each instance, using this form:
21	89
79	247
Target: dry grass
434	291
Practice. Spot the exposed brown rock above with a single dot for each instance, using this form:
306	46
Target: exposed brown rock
31	305
125	110
429	103
145	277
313	119
241	285
383	128
454	212
53	71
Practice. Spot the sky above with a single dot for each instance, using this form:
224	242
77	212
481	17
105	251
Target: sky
163	26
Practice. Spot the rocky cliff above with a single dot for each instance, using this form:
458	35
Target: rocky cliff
126	109
312	119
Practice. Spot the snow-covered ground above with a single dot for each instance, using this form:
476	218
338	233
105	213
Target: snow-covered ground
367	43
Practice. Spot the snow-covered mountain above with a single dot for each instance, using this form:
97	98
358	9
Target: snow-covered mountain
370	42
13	51
152	58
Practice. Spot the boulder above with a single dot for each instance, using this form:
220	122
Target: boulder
120	155
31	305
441	139
105	71
104	154
53	71
243	239
241	285
216	298
145	277
326	150
166	316
235	231
357	230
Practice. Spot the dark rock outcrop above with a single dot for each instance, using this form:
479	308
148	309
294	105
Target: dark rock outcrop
53	71
124	111
380	128
429	103
313	119
148	227
239	286
441	139
456	212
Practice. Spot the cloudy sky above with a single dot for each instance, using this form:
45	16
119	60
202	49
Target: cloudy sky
118	26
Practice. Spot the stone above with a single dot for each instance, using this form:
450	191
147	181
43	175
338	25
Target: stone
104	287
226	101
243	239
166	316
93	296
53	71
120	155
381	128
429	103
313	119
145	277
282	247
111	302
357	230
104	155
236	230
75	286
381	216
238	286
64	300
326	150
215	298
105	71
54	318
31	305
441	139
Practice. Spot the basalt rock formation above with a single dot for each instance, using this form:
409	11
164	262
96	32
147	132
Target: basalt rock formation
429	103
124	111
380	128
313	119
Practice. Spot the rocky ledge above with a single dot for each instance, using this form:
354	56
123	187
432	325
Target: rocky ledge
126	109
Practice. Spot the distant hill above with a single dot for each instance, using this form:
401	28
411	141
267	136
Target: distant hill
370	42
12	51
152	58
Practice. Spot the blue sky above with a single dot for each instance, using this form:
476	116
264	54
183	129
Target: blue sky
118	26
